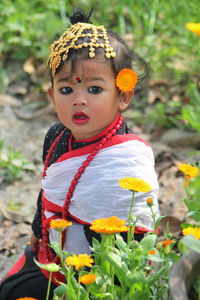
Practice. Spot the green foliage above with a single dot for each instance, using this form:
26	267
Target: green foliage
191	112
156	27
12	164
192	201
164	114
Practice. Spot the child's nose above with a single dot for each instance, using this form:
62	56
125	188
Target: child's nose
79	101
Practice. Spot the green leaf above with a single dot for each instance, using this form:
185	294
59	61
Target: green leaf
100	295
60	290
148	242
158	221
121	244
136	277
120	267
95	246
191	242
151	279
55	246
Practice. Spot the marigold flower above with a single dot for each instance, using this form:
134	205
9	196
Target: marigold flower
150	202
109	226
167	243
134	184
88	278
79	261
26	298
60	225
194	27
152	252
189	170
195	231
126	80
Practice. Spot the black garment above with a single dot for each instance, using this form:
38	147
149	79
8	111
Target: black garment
28	282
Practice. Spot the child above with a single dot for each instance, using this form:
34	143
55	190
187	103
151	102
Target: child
87	152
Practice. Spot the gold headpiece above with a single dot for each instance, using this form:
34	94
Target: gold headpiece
71	39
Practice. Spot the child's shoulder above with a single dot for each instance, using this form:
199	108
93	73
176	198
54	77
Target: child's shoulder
51	135
54	131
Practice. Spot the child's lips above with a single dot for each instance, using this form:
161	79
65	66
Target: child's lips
80	118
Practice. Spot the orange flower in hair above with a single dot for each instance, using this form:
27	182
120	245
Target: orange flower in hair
126	80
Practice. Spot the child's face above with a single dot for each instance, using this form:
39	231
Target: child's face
87	100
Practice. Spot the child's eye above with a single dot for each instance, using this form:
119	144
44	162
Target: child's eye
66	90
95	89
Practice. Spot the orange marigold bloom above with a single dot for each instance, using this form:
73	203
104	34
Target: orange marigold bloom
26	298
60	225
189	170
79	261
88	278
195	231
134	184
109	226
194	27
168	242
152	252
150	202
126	80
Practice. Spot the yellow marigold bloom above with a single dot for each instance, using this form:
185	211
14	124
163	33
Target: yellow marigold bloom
79	261
88	278
194	27
191	230
189	170
150	202
60	225
126	80
134	184
152	252
109	226
27	298
167	243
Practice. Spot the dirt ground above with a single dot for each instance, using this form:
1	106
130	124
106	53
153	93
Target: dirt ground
18	199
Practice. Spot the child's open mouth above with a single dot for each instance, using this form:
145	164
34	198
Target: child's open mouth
80	118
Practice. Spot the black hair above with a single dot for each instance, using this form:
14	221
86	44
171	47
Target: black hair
125	58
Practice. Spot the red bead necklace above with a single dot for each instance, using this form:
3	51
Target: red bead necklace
48	256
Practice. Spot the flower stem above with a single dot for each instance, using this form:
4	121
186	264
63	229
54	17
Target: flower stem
79	275
129	220
49	285
61	255
154	219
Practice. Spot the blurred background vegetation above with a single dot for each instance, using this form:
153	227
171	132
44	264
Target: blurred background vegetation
154	28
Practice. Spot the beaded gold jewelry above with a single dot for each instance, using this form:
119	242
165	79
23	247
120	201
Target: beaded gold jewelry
74	38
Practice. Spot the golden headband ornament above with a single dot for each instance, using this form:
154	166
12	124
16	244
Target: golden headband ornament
74	38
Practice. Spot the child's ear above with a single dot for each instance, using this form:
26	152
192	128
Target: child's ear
51	95
125	99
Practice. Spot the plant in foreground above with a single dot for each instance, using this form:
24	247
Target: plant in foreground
118	269
191	231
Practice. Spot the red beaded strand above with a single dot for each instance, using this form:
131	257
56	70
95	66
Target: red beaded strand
47	253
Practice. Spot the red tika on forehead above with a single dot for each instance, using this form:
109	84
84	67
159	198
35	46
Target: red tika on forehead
78	79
